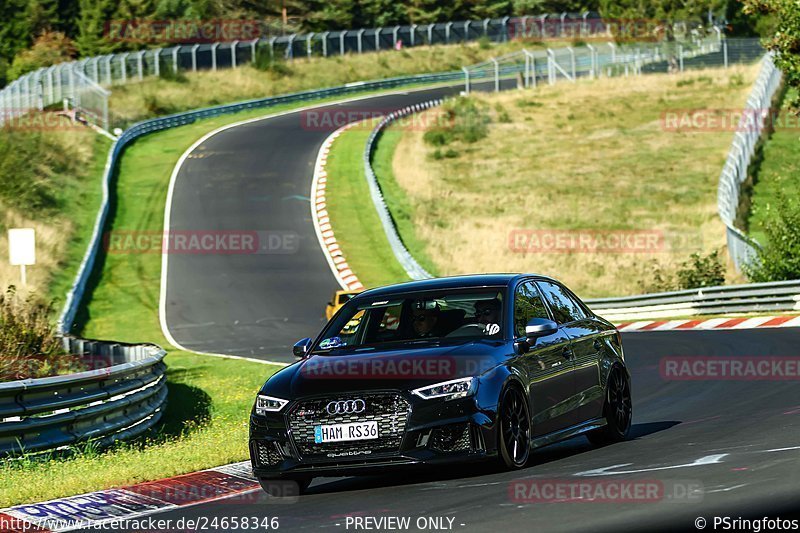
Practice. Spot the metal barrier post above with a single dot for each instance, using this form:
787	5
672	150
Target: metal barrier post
194	55
214	56
496	74
234	44
466	79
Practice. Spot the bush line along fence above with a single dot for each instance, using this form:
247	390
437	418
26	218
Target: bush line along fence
85	82
121	400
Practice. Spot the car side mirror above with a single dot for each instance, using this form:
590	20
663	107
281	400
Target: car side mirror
300	349
539	327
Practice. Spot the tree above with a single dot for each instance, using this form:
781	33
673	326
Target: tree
50	48
780	258
785	41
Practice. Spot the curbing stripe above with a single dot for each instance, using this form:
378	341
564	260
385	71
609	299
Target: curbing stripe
711	323
143	499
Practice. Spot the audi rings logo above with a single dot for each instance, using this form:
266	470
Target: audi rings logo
346	407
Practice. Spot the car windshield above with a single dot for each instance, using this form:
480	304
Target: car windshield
416	318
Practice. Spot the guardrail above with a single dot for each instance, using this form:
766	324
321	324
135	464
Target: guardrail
743	249
749	298
413	269
119	401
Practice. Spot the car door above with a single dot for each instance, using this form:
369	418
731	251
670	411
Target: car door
585	334
547	364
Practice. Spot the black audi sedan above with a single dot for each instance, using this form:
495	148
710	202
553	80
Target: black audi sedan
442	370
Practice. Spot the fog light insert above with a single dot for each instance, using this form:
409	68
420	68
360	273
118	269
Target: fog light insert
452	438
268	453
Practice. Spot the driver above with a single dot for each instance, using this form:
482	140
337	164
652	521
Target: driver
425	316
487	311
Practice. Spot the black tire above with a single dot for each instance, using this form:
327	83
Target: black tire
285	488
617	409
514	429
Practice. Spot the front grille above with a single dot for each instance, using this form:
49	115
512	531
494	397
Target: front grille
453	438
389	409
267	453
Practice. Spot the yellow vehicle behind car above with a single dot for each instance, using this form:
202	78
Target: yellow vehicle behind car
339	299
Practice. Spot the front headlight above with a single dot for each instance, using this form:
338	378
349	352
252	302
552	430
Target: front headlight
450	390
269	404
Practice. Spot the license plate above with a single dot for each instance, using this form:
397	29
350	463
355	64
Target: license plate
345	432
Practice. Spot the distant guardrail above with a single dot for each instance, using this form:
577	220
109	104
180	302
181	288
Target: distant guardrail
748	298
120	401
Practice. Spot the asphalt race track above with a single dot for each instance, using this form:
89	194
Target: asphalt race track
712	447
257	178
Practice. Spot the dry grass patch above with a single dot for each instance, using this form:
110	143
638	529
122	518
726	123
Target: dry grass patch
588	157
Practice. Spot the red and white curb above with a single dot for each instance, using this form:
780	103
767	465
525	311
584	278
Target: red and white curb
322	222
783	321
129	503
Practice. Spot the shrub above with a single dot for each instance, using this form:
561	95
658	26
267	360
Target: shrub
29	347
167	72
49	49
268	61
701	271
779	260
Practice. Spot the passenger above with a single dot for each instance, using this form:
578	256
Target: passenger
425	316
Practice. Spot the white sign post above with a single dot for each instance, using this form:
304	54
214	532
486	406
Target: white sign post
22	249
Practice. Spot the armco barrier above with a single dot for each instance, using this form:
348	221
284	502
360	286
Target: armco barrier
750	298
119	401
401	253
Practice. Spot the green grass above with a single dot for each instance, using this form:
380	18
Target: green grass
400	207
779	171
205	425
353	217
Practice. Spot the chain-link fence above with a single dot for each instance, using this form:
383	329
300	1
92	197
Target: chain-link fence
611	59
751	127
51	86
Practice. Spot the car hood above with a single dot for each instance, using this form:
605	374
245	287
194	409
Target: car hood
403	369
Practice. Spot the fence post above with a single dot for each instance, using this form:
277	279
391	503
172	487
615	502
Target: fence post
725	51
613	52
96	70
394	35
290	46
430	33
563	25
413	33
572	63
234	44
680	55
447	32
359	39
175	59
466	30
496	74
486	27
157	61
253	44
194	55
504	22
109	77
550	67
308	43
526	82
214	56
466	79
378	38
325	43
123	63
341	42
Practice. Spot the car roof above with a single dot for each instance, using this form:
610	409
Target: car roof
451	282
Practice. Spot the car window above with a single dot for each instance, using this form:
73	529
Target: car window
528	304
564	308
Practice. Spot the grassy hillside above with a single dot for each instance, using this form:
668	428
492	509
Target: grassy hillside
589	159
154	96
